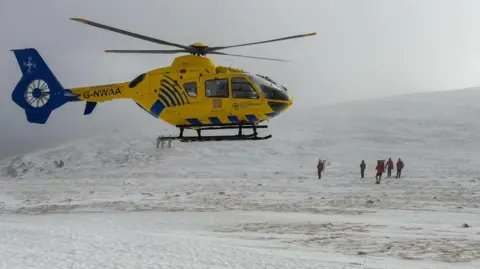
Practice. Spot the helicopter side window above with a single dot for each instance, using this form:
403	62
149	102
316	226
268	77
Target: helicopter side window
241	88
191	88
136	80
216	88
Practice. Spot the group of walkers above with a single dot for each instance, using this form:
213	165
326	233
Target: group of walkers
381	167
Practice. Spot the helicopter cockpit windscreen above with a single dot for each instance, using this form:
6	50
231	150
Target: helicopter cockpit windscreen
270	89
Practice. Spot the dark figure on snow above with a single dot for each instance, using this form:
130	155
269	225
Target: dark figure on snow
389	167
400	166
320	167
362	168
380	170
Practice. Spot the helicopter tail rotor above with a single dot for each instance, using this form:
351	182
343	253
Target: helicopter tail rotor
38	92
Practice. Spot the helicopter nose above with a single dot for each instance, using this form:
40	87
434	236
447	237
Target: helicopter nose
290	101
278	107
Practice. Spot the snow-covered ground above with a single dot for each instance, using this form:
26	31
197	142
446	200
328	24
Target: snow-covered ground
119	202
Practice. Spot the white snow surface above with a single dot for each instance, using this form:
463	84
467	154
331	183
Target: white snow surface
119	202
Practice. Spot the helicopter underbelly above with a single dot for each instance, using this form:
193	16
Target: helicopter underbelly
195	117
213	111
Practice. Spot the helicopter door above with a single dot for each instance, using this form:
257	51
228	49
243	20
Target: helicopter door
243	94
189	83
215	92
191	89
242	89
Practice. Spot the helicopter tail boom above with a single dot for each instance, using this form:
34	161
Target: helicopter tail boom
101	93
38	92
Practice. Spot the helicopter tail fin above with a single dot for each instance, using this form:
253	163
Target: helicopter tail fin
38	92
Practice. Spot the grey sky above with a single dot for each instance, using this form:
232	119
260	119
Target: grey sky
363	49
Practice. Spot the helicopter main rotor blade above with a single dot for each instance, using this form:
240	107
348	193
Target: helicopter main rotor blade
147	51
253	57
147	38
260	42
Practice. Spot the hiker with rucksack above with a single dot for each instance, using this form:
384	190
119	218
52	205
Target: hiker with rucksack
389	167
380	169
400	166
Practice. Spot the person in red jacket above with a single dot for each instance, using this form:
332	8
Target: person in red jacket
380	170
400	166
320	167
389	167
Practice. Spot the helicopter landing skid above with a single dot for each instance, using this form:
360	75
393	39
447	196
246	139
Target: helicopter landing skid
201	138
220	138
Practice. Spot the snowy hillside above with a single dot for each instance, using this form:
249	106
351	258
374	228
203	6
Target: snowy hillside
413	222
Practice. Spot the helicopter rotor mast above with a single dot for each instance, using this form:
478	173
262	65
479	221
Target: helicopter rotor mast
198	49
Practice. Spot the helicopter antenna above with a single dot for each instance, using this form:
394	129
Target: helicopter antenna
197	48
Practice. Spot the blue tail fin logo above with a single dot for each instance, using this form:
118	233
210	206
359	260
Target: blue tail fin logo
29	65
38	92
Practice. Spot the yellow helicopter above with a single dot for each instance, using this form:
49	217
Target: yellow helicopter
191	93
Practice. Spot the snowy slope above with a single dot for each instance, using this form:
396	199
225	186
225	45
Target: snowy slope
413	222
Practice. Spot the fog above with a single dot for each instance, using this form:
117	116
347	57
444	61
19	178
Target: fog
363	49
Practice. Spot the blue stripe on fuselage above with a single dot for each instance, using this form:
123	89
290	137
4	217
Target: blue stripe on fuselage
251	118
233	119
168	95
194	121
215	120
157	108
